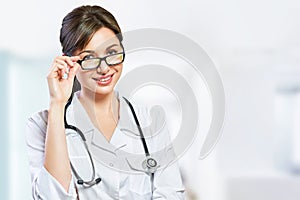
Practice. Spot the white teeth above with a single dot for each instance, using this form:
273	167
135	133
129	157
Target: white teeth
105	79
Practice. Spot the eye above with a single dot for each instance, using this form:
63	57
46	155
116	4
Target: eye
89	56
111	52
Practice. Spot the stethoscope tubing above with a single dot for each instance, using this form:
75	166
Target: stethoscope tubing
80	181
151	163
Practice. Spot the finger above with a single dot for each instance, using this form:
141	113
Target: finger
68	60
54	71
61	70
61	61
73	71
75	58
65	76
58	68
62	65
57	64
72	60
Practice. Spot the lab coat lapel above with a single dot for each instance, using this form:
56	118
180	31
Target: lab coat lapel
80	119
99	141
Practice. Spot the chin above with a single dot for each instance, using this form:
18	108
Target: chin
104	90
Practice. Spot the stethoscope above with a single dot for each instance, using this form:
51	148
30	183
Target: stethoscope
150	164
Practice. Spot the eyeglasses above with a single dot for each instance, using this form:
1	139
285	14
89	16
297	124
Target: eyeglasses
93	63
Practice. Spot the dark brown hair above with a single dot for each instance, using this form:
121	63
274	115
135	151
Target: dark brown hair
79	26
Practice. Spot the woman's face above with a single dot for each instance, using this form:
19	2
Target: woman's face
102	80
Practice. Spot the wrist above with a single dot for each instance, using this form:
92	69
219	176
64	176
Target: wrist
58	102
57	105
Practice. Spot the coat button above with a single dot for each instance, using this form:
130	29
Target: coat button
111	164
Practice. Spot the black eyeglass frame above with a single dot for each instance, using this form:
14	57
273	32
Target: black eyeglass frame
101	59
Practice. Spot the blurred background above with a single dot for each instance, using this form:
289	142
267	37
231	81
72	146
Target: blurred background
254	44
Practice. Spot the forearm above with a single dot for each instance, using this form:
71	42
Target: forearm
57	160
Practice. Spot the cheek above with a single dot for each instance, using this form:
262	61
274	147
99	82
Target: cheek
82	76
119	69
79	77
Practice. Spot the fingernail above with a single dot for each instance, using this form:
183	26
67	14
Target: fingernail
65	76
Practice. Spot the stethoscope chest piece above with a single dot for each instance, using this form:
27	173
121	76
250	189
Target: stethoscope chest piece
150	164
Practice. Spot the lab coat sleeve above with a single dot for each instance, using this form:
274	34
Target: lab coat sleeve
167	179
44	185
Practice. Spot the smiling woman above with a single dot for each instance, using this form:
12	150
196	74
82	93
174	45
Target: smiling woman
76	148
105	44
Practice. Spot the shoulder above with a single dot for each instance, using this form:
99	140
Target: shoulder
38	120
141	111
36	130
152	119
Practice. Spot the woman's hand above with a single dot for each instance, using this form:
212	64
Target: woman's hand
60	85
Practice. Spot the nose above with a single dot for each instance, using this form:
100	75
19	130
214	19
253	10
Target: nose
103	68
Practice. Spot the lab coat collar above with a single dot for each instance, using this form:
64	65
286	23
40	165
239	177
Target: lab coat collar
77	116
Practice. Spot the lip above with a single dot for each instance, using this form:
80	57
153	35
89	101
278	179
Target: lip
103	77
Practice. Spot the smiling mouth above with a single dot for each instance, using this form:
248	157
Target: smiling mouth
104	80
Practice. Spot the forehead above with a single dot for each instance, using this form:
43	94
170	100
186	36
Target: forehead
103	38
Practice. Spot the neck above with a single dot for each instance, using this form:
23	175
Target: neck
99	103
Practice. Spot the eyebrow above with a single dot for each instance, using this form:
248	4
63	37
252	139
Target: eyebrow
92	51
86	51
111	46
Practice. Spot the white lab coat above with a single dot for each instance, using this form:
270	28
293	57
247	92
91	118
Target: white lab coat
116	162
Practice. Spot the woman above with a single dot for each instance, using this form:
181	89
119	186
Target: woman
62	167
